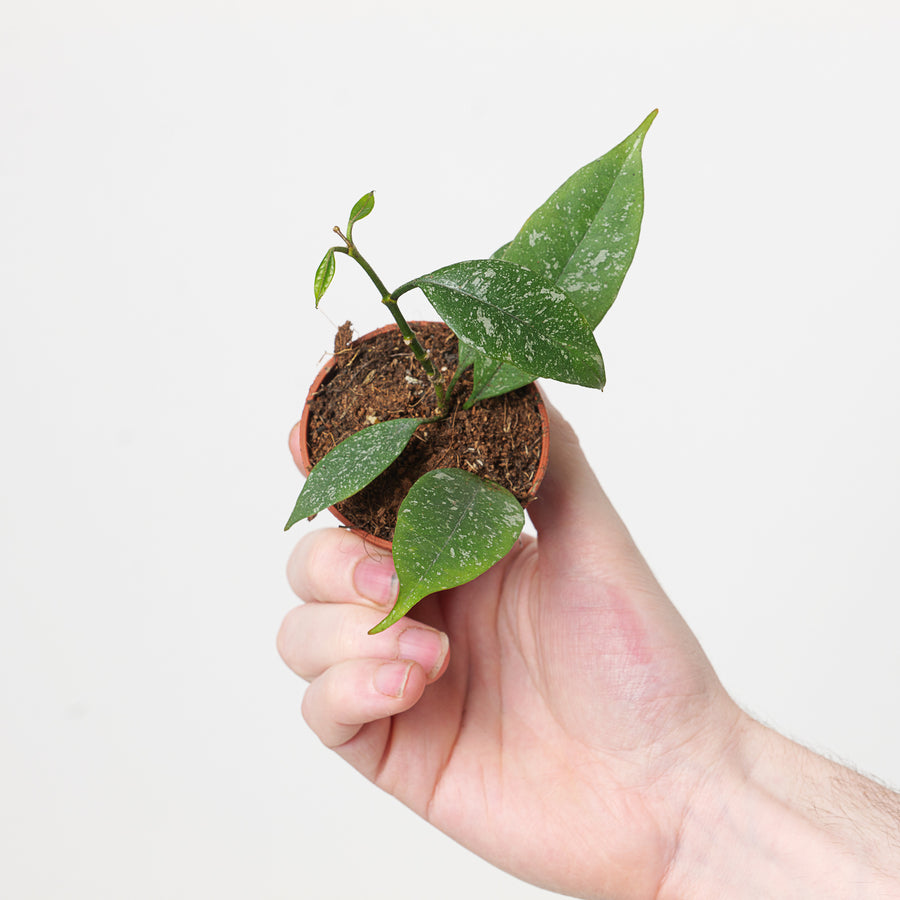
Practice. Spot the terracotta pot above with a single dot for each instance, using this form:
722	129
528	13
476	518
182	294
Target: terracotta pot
304	425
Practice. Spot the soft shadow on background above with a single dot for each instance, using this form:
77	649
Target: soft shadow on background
169	174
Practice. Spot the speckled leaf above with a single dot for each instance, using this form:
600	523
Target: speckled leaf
584	237
514	315
351	465
491	377
451	527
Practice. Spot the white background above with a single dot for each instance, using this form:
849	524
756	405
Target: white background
169	174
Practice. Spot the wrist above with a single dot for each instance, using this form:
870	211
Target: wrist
773	819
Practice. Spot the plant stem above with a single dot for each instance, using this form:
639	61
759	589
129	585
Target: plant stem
420	353
408	335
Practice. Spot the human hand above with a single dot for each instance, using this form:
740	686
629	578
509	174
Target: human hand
555	715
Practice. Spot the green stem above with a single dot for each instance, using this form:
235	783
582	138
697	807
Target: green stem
420	353
408	335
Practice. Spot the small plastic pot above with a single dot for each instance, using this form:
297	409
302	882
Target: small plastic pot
324	372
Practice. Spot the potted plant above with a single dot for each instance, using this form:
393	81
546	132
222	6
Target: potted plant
526	312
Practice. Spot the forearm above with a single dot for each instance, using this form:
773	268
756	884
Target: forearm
776	820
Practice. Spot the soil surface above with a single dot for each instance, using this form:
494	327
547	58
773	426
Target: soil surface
498	439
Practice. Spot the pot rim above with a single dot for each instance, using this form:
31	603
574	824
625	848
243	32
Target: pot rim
326	368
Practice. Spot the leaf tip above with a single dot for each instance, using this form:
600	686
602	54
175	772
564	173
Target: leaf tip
393	616
295	518
635	140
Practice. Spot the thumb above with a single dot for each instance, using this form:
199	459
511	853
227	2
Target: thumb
578	528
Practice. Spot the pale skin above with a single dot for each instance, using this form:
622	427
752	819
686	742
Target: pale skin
558	717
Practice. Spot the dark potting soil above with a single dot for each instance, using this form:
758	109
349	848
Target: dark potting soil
498	439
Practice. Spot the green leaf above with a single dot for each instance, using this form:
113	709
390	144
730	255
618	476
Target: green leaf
493	378
584	237
483	371
514	315
451	527
467	355
324	274
490	377
360	210
351	465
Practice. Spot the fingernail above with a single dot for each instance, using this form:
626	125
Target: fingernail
376	580
391	678
424	646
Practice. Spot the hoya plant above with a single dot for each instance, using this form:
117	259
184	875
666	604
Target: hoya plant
527	312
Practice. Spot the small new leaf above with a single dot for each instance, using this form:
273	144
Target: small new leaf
324	274
360	210
451	527
351	465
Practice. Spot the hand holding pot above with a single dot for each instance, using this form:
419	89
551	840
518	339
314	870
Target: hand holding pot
557	717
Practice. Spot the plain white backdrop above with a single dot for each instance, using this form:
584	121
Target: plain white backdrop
169	174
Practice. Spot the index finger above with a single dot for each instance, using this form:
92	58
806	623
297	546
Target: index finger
335	566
